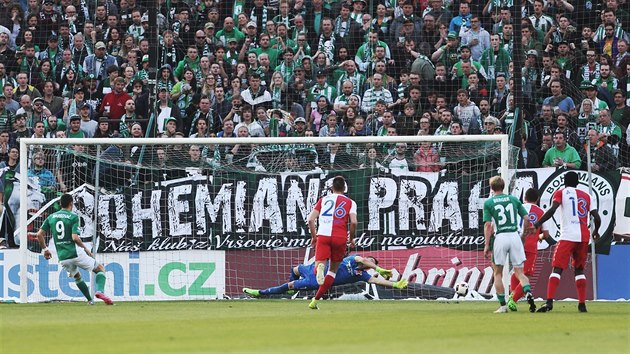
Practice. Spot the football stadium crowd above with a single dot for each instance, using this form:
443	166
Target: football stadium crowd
302	68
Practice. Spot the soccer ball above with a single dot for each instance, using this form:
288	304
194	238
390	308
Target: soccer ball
461	288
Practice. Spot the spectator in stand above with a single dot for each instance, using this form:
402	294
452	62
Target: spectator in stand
561	154
53	103
39	112
490	125
407	123
448	53
11	104
320	114
484	108
347	90
446	117
561	103
254	128
476	38
374	94
527	158
461	24
495	60
468	113
606	80
45	177
330	128
590	91
204	111
87	125
23	87
425	124
21	130
456	128
337	157
591	70
399	160
74	127
620	114
97	64
113	105
4	146
609	132
602	156
426	158
256	95
562	121
372	160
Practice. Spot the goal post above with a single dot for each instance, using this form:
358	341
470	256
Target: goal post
203	230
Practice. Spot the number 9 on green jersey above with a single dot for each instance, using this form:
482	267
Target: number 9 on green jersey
62	225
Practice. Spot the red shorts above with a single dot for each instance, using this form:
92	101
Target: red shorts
333	248
569	249
530	261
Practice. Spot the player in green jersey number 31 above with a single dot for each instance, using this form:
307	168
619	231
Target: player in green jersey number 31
500	212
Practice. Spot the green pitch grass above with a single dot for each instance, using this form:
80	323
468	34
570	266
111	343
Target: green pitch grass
286	326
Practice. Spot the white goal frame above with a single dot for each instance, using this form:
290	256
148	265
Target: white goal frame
26	142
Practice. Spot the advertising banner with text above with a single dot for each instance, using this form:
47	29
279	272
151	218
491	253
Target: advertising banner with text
146	276
436	266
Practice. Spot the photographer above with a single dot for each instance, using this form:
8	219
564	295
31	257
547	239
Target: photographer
235	110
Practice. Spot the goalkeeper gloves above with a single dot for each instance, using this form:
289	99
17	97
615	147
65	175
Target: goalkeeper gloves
401	284
385	273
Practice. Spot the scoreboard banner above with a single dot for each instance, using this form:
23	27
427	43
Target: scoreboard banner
232	211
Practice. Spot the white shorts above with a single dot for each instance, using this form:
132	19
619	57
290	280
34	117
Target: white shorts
508	243
81	261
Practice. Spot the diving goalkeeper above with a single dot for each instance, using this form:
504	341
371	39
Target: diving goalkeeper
352	269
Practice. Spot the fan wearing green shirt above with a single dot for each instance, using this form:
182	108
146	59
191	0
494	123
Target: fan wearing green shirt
72	253
561	154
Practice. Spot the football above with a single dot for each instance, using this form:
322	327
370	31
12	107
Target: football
461	288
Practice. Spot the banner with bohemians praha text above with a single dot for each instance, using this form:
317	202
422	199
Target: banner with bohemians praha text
234	211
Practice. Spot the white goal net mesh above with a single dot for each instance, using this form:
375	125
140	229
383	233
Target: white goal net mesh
202	220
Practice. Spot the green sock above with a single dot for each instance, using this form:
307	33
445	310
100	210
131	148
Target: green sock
84	289
100	281
527	288
501	298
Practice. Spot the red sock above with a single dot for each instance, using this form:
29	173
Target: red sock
328	282
515	286
580	284
554	280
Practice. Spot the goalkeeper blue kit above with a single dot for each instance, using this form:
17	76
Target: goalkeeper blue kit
347	273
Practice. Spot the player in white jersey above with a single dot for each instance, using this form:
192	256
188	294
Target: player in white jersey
575	206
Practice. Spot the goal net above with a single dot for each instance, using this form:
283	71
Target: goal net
186	218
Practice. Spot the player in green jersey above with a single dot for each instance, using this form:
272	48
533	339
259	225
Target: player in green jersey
72	253
500	211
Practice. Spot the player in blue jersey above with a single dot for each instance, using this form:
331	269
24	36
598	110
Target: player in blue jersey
352	269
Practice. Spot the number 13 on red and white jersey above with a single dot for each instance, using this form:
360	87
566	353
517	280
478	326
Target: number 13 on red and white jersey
575	206
334	215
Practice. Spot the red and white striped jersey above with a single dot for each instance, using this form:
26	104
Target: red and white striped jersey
334	215
575	206
534	213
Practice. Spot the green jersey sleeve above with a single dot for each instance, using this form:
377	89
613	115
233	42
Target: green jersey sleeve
46	225
487	210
